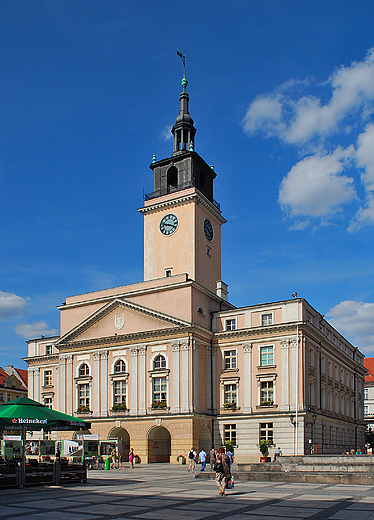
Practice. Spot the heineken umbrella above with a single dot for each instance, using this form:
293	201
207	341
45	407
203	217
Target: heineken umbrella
25	414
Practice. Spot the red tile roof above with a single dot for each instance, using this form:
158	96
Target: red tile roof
24	375
3	376
369	364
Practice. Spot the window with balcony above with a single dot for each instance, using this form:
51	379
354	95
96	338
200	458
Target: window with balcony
266	356
229	359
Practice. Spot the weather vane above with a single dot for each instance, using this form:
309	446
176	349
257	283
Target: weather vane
183	56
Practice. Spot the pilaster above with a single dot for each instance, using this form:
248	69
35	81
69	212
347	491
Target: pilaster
142	380
69	384
175	402
195	370
62	384
134	381
247	402
185	387
96	385
284	372
104	382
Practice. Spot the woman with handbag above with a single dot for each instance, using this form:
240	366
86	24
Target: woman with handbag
222	469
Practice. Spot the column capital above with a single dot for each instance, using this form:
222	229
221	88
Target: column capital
142	350
62	360
185	344
104	354
97	356
175	345
69	359
196	344
134	351
247	347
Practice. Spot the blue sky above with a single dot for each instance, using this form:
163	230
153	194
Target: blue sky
282	95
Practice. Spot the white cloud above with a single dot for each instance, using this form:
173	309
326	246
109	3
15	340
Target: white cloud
34	330
308	116
166	134
355	320
11	305
316	187
296	118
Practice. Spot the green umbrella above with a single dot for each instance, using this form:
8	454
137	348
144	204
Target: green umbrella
25	414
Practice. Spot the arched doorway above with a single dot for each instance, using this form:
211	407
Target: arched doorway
205	439
159	445
123	438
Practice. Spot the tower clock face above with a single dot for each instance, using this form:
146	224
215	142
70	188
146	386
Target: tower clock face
168	224
208	229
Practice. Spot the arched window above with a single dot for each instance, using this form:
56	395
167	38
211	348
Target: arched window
120	366
84	370
159	362
172	178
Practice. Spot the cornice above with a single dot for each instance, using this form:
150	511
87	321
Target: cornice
41	359
185	199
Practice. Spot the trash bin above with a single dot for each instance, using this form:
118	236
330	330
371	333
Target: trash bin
107	463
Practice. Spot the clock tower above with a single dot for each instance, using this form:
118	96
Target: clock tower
182	221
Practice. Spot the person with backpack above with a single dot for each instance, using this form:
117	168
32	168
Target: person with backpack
192	460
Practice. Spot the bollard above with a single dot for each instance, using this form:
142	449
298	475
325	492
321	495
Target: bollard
107	463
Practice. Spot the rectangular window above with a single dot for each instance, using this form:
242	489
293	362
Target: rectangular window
266	319
231	324
159	389
266	356
342	376
119	392
323	365
48	378
329	365
266	431
366	393
48	402
311	357
366	410
48	350
266	393
229	359
84	396
8	397
229	394
1	398
336	373
230	433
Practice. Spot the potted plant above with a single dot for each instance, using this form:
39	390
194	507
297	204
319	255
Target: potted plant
267	403
119	407
263	446
83	409
181	459
230	406
159	404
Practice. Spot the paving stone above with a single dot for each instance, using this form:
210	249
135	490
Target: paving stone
106	509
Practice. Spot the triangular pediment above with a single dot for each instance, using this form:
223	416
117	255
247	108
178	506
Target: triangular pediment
120	317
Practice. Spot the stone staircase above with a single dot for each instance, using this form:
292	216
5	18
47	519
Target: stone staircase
322	469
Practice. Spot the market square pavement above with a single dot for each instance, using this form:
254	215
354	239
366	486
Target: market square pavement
164	491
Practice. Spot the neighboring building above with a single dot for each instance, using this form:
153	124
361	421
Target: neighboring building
169	363
13	383
369	393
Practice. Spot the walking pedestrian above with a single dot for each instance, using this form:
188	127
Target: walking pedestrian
192	460
120	461
131	458
222	469
202	458
212	457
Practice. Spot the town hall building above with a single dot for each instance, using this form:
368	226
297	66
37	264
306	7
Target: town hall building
169	363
